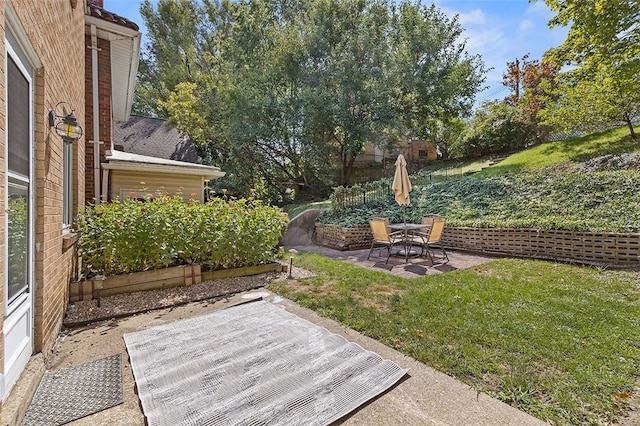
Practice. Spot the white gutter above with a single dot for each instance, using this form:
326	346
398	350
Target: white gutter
116	33
118	160
210	174
111	27
96	114
133	73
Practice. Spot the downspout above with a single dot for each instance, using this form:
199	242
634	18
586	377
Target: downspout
96	114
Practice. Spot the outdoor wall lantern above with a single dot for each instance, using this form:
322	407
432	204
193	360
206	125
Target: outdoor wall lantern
66	124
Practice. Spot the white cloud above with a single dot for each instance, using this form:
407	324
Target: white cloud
501	31
476	16
525	25
540	10
484	41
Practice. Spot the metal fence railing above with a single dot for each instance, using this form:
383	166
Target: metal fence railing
380	190
344	197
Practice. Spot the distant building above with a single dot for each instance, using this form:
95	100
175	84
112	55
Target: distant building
375	163
147	150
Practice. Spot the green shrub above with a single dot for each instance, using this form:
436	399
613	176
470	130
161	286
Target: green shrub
133	235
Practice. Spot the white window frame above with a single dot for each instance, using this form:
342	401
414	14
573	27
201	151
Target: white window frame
28	181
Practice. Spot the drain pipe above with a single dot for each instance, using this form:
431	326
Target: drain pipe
96	114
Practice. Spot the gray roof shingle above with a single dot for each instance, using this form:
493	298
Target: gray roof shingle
154	138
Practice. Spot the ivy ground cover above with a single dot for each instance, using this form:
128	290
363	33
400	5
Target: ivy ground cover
599	201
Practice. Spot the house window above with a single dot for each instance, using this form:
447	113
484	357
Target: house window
422	153
18	177
67	185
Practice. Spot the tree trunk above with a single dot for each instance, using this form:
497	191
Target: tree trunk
346	169
632	132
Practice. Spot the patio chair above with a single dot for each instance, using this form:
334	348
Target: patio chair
430	236
428	221
420	237
435	235
382	238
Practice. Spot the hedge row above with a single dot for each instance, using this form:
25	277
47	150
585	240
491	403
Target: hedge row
134	235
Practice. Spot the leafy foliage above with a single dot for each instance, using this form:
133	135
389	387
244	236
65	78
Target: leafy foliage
599	31
497	128
593	98
17	225
133	235
280	93
603	45
533	84
586	201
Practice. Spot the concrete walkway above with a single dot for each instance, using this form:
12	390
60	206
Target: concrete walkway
424	397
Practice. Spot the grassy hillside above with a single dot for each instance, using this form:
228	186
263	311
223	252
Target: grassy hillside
576	149
596	200
571	150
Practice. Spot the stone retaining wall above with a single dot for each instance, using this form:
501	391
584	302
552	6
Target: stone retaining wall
602	249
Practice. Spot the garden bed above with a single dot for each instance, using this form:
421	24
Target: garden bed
159	279
601	249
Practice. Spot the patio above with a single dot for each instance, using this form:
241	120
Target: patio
415	267
425	397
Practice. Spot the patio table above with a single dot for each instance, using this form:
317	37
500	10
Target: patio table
407	228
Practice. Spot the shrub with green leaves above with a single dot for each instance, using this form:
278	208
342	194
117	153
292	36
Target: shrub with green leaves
133	235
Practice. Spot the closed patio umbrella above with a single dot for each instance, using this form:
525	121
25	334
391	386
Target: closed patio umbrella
401	185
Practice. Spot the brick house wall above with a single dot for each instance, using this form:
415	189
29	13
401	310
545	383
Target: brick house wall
3	162
55	33
416	151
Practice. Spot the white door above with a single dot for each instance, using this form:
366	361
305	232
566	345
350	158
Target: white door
18	256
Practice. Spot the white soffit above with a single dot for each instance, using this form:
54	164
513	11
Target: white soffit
125	55
118	160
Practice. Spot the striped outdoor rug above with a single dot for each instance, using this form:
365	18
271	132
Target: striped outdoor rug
252	364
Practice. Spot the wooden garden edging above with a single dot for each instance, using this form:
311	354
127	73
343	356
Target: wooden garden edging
602	249
157	279
243	272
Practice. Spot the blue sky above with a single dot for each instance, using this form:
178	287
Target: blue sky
498	30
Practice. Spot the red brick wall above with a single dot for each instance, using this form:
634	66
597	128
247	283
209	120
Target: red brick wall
60	79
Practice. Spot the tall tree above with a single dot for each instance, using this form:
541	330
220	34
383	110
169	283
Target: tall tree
513	77
171	53
603	47
591	102
599	31
533	84
285	92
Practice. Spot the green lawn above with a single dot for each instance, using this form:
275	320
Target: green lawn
557	341
295	209
578	148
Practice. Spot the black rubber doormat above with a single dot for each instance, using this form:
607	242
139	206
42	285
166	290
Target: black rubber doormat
72	393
